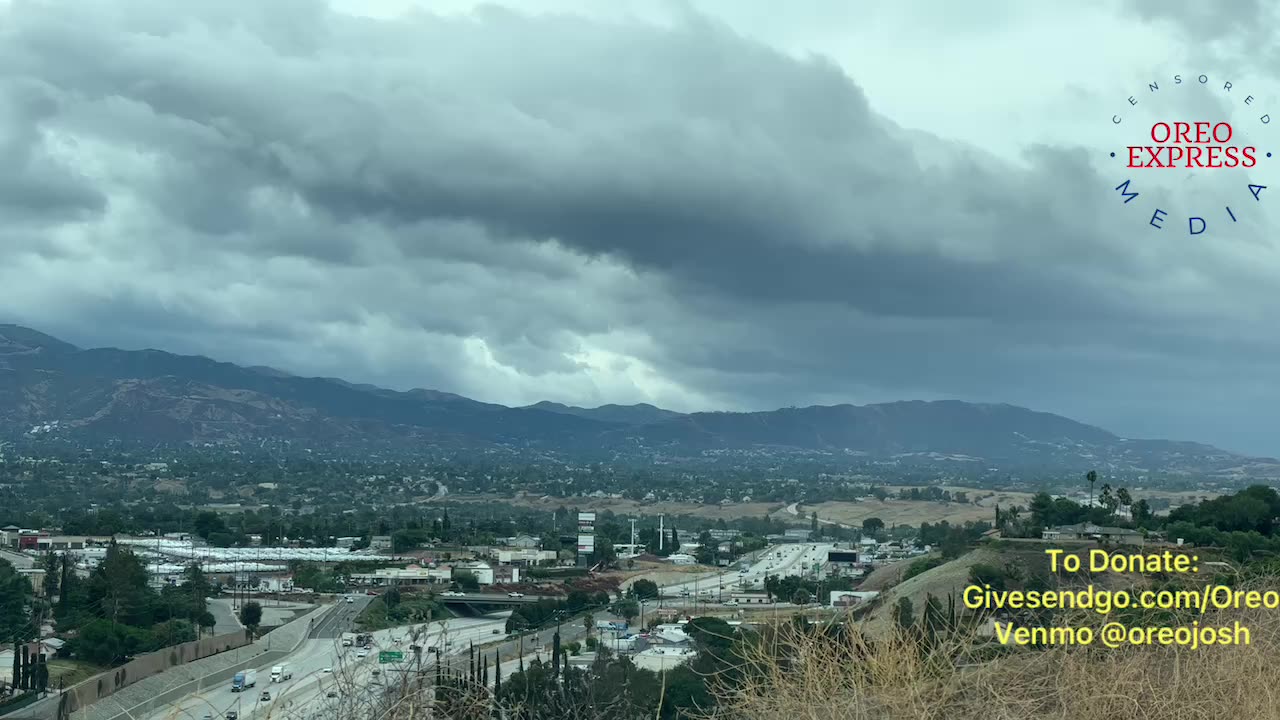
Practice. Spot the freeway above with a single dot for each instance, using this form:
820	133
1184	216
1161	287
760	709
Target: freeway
778	560
325	673
341	618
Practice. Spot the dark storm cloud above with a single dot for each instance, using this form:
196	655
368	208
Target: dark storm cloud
365	198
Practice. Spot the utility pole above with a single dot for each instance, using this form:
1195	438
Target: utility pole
662	531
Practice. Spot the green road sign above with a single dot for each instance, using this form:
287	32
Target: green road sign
387	656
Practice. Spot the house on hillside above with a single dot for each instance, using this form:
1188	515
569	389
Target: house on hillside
1089	532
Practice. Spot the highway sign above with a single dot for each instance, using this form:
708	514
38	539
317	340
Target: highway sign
387	656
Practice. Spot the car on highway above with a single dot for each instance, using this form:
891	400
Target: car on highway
453	593
232	715
350	600
515	594
364	653
327	670
266	695
331	693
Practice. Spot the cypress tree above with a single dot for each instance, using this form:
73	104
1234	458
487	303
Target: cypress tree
17	663
25	681
497	672
439	679
555	654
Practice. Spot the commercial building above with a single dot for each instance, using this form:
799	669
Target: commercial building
482	571
523	542
411	575
524	556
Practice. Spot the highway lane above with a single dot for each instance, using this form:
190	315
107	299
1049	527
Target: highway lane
780	560
341	618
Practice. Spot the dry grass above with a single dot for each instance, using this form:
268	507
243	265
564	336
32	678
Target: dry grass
624	507
848	679
898	512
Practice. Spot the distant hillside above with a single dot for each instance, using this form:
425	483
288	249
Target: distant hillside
641	414
49	387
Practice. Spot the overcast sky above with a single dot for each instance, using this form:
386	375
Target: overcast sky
713	204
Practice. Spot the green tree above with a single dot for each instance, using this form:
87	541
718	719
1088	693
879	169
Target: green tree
119	587
52	576
904	615
643	589
1041	507
555	654
251	616
206	621
626	609
1125	498
466	580
1141	512
208	524
15	595
981	574
872	525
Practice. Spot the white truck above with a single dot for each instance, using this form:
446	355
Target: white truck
281	672
348	639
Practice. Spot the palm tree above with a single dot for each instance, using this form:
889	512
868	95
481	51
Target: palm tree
1092	477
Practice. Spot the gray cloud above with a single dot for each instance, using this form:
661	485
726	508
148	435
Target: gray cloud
523	207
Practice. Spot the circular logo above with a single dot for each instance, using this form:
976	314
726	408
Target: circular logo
1214	163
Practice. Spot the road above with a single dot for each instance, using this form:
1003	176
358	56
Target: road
224	617
778	560
340	619
794	509
321	666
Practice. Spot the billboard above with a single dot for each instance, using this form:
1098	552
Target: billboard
586	543
586	523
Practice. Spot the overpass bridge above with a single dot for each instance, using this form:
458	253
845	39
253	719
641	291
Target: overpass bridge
480	603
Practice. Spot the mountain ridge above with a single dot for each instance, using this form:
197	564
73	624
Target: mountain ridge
108	394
